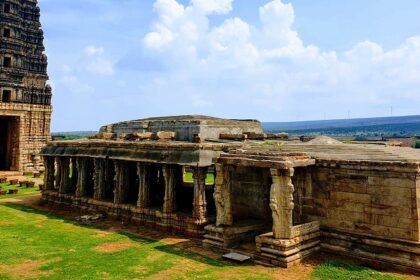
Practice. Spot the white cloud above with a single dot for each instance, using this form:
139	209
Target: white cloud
92	50
101	66
213	6
269	63
97	64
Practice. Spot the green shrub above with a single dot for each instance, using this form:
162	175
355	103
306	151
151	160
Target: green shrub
417	146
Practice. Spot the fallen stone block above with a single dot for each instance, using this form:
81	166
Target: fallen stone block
277	136
137	136
23	184
104	136
13	191
255	136
14	182
165	135
233	137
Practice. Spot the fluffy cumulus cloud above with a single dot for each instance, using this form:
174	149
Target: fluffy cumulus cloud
97	64
267	68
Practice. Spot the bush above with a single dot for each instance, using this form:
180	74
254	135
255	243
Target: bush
417	146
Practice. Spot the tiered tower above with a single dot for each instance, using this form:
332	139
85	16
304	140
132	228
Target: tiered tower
25	96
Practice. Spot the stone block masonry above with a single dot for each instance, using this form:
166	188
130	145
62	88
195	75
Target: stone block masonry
25	96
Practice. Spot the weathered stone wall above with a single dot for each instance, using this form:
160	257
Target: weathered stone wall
380	200
186	127
251	194
31	134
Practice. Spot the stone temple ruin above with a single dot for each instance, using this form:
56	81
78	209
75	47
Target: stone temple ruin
275	200
25	97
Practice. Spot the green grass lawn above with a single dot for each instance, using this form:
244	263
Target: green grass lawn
341	271
21	191
38	245
188	178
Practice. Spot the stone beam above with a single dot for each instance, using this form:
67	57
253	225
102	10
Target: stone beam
281	202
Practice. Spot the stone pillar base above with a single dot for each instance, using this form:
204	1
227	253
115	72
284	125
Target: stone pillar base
288	252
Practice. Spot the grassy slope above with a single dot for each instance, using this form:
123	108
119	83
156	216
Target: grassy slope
42	246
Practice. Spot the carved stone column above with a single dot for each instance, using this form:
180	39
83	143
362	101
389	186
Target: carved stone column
57	174
281	202
83	176
144	185
121	181
169	173
199	203
99	178
64	169
222	195
74	175
49	176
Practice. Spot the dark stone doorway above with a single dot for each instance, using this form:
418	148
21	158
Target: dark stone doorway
9	141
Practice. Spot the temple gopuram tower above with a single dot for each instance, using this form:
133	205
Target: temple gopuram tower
25	96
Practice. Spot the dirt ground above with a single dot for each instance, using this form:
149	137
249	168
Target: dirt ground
301	271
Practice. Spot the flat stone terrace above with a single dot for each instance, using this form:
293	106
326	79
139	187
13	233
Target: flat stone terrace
345	153
168	152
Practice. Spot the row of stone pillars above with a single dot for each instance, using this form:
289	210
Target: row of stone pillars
86	175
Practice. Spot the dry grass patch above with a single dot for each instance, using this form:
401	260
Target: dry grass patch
101	233
26	269
179	270
112	247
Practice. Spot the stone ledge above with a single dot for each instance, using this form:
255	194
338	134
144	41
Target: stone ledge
378	252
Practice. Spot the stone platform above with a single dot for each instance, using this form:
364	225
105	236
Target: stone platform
288	252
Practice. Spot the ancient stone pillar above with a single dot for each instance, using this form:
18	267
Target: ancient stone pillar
281	202
82	166
222	195
121	181
74	175
99	178
199	203
63	164
49	176
144	185
169	173
57	174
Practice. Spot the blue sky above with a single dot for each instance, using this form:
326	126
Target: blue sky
271	60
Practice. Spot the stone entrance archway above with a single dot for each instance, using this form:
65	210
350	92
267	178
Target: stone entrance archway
9	143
